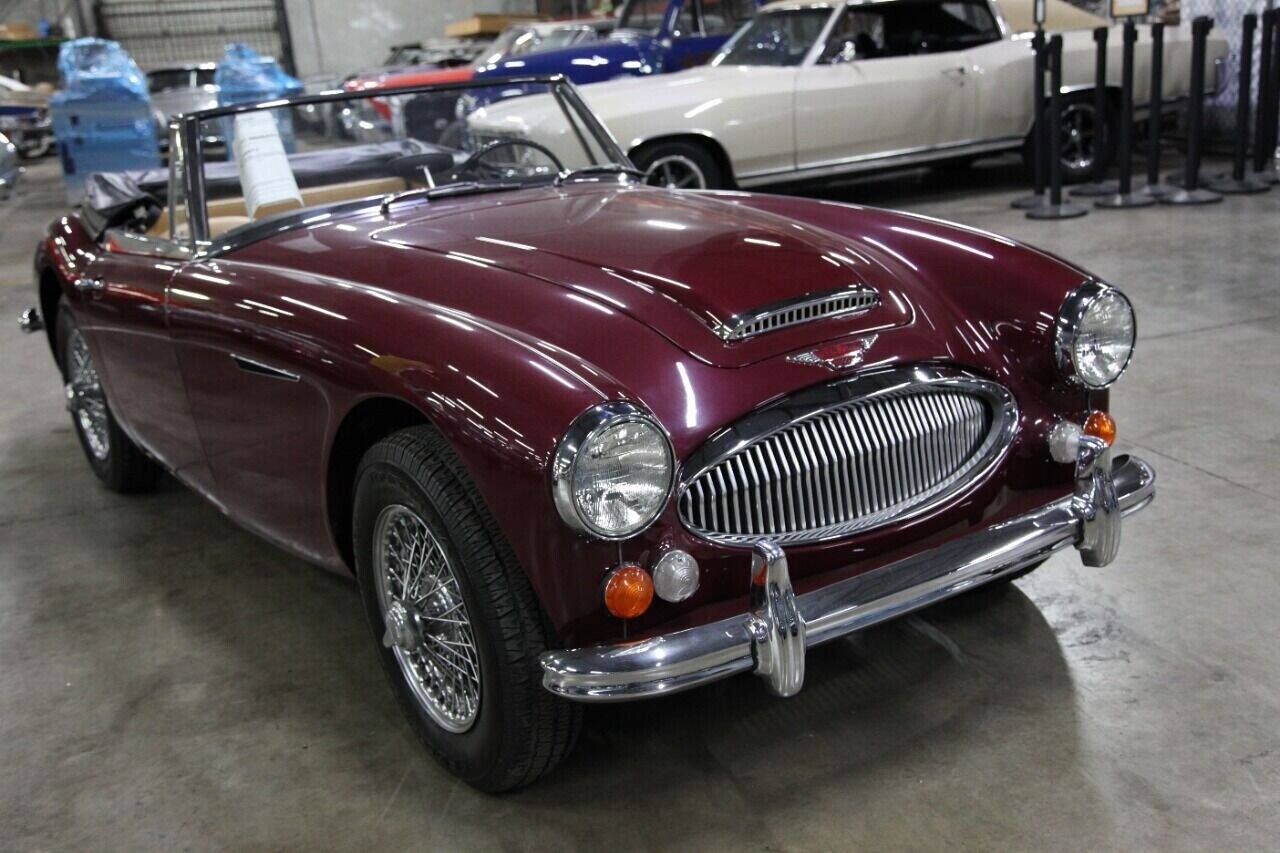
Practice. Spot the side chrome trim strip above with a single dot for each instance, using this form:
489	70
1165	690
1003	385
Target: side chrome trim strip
881	160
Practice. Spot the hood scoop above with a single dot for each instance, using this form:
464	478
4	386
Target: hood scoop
845	302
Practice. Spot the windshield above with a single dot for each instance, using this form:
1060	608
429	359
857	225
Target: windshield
775	38
643	15
169	79
424	143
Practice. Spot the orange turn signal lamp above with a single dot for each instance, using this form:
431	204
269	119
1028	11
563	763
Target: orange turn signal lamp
628	592
1101	425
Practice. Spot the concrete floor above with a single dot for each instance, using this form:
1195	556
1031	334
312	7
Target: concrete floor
167	680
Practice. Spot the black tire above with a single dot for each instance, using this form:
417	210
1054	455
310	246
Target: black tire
1073	170
520	731
652	158
124	467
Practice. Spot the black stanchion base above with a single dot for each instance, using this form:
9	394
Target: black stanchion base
1123	201
1066	210
1095	188
1156	191
1197	196
1026	202
1229	185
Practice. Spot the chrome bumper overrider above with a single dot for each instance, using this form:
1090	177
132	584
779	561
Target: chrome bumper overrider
771	638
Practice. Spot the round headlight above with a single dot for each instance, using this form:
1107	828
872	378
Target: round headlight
1095	335
612	472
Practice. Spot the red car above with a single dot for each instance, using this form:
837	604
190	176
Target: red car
579	439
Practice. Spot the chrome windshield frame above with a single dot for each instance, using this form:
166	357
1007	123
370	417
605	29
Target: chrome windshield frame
559	87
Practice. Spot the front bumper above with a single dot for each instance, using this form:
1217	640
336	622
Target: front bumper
772	637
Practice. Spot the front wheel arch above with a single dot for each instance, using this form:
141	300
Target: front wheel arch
367	423
707	144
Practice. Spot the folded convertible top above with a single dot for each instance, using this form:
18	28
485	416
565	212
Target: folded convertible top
113	199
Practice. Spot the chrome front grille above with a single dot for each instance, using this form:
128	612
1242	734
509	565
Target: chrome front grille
813	469
846	301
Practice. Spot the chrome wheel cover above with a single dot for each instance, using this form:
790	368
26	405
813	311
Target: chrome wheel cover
1079	136
425	619
675	172
85	400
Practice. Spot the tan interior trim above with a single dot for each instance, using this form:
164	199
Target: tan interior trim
228	213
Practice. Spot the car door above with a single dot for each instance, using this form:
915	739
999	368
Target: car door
248	338
889	80
121	311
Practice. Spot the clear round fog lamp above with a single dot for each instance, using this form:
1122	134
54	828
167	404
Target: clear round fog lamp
675	576
612	472
1095	335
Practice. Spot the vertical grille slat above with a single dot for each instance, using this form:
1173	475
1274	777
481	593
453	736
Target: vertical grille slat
853	465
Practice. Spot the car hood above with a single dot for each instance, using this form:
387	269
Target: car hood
682	263
602	58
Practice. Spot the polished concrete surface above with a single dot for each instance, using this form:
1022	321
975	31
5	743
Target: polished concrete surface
167	680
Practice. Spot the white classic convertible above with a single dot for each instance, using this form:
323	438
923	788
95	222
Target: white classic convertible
815	88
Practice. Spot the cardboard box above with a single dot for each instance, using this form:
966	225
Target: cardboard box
483	26
18	32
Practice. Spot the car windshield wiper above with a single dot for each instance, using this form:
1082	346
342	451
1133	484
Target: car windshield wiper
449	190
606	169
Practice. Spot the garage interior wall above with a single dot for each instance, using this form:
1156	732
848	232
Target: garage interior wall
339	36
170	32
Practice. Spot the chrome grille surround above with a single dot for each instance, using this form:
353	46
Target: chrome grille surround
847	457
847	301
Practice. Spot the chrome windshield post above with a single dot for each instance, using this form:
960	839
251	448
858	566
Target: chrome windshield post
774	622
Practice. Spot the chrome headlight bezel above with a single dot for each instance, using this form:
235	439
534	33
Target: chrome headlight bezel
1067	329
584	429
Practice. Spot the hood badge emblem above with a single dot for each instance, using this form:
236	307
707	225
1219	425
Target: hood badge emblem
841	355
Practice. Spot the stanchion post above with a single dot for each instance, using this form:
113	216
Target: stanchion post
1038	134
1155	115
1098	186
1236	181
1125	197
1262	114
1057	208
1273	127
1192	192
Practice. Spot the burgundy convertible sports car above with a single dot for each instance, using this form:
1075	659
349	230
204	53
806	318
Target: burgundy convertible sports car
580	439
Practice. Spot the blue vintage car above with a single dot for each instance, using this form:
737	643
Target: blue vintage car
652	37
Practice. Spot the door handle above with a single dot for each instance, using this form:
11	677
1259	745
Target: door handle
957	74
85	284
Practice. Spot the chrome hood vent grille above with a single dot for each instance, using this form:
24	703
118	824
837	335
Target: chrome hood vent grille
847	301
847	457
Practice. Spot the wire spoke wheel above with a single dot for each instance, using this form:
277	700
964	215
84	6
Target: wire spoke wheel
675	172
427	625
85	399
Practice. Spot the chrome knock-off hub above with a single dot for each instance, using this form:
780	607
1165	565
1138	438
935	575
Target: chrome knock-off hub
403	628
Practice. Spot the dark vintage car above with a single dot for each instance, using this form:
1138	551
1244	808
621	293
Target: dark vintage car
651	37
577	438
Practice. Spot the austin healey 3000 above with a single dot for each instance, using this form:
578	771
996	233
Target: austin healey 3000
577	438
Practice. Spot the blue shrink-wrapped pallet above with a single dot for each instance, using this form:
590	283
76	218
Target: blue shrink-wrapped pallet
102	116
244	77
